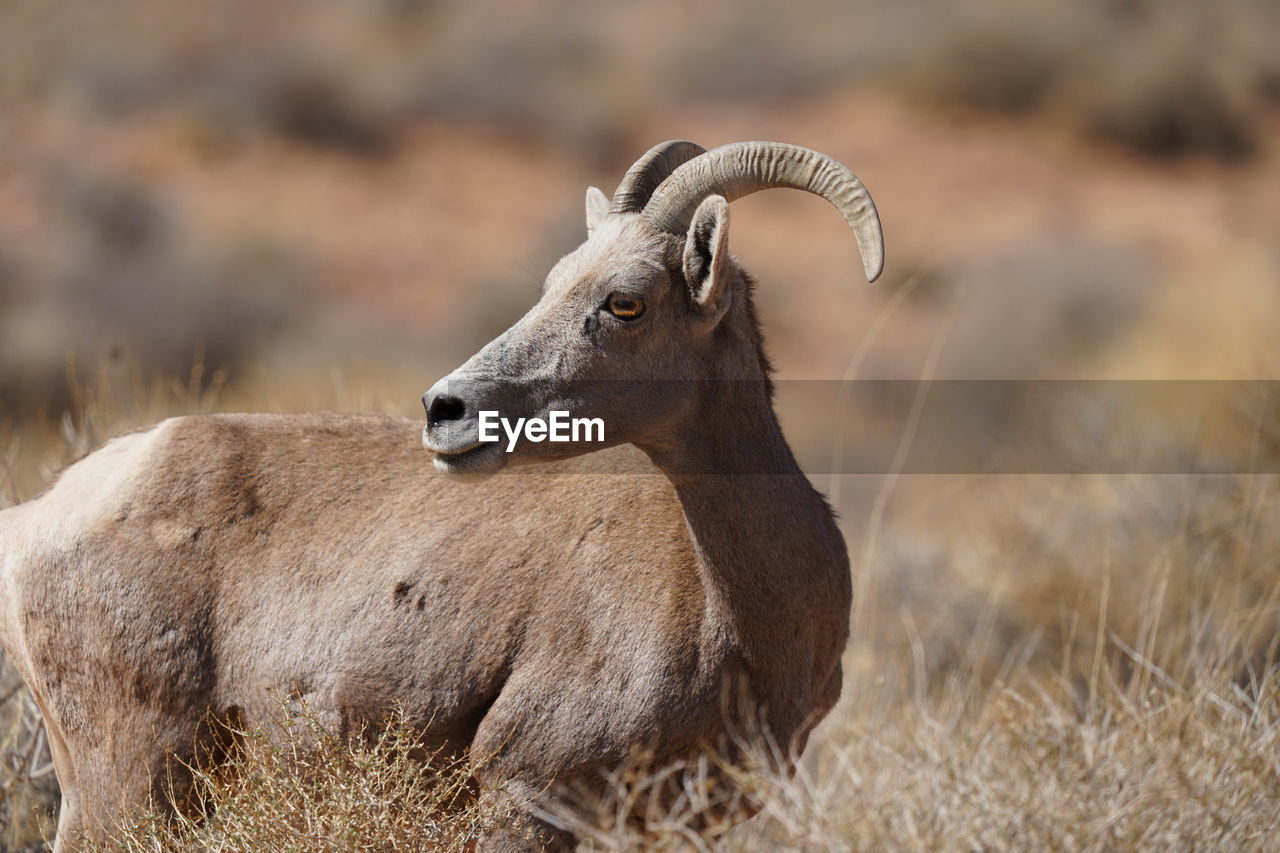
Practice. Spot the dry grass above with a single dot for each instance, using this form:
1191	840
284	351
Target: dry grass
1123	698
297	786
28	786
1171	770
1162	767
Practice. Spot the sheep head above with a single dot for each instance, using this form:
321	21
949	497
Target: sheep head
635	325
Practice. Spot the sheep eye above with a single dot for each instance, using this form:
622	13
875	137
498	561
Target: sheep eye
624	307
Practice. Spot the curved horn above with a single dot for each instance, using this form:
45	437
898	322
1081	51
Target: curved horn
649	172
746	167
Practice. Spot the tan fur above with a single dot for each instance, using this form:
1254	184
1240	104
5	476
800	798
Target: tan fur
554	617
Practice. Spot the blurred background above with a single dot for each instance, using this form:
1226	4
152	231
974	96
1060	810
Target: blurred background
290	191
301	205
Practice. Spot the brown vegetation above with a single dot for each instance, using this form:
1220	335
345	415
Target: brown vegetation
297	786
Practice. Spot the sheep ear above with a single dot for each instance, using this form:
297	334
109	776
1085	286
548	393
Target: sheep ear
597	208
706	258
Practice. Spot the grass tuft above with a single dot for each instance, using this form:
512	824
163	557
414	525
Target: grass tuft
299	786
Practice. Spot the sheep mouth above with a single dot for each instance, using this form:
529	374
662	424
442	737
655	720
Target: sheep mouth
481	458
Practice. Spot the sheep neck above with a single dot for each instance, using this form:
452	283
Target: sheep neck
771	557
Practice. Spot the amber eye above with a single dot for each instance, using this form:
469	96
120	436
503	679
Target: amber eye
624	307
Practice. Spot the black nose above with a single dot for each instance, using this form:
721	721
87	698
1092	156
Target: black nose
443	407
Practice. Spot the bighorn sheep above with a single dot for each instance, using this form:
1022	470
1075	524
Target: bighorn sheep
552	621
